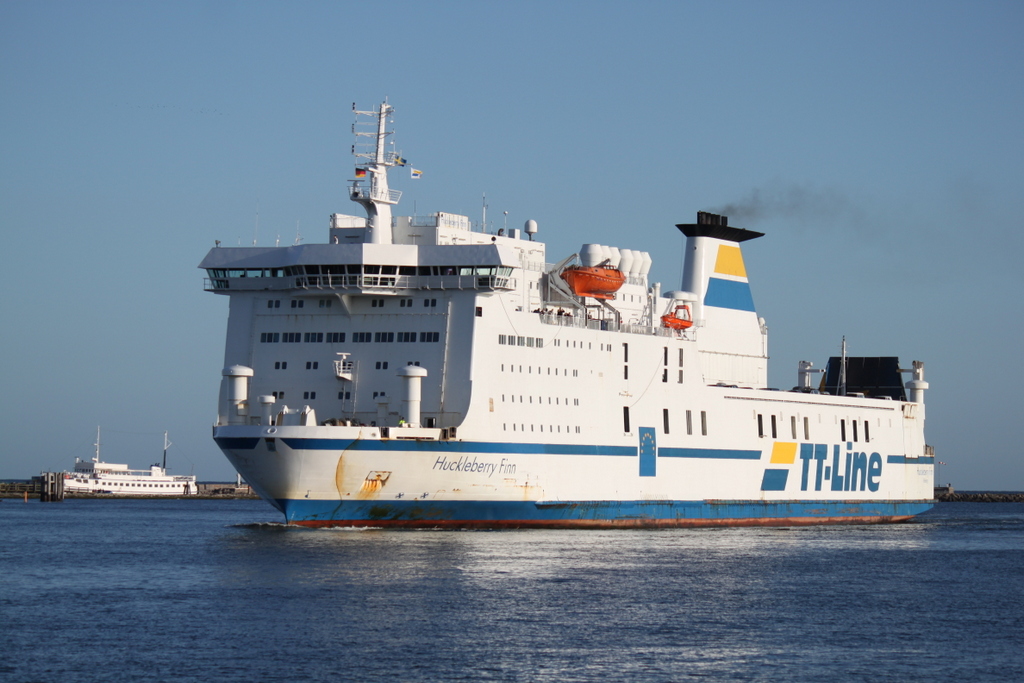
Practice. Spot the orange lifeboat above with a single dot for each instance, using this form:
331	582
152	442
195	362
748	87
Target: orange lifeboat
594	281
679	319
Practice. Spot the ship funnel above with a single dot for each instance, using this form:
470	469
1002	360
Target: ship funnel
733	341
235	393
413	376
713	266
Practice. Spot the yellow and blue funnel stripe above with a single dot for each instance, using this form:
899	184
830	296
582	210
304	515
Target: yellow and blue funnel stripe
729	293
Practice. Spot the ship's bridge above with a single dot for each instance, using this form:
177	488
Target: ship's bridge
360	267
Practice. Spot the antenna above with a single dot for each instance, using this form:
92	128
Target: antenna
842	370
298	237
256	230
483	224
167	444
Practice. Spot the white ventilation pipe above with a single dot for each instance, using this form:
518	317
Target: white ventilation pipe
626	260
235	387
917	385
413	376
267	409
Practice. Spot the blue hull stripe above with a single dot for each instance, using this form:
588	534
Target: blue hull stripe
718	453
237	443
626	513
428	447
904	460
408	446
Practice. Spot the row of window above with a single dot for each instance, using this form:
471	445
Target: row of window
339	337
579	344
298	303
513	340
404	302
342	395
311	395
540	400
141	486
564	372
774	428
538	342
667	422
358	269
552	429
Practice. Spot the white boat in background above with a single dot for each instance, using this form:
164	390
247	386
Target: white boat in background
96	476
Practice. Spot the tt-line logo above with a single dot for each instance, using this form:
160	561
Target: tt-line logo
849	471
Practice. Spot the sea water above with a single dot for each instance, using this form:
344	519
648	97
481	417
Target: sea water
200	590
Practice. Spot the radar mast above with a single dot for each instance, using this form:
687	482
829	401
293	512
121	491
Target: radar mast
374	161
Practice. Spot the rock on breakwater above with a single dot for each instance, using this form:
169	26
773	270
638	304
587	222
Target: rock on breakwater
981	497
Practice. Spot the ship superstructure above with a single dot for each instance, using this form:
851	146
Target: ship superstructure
415	371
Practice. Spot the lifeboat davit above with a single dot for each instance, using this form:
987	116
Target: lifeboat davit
594	281
679	319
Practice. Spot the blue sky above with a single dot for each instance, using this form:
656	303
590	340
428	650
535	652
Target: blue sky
878	145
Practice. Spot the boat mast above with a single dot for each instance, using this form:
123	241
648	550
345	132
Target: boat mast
167	444
96	458
378	199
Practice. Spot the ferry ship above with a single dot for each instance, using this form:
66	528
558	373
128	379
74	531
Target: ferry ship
420	371
96	476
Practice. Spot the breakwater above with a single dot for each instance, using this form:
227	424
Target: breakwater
980	497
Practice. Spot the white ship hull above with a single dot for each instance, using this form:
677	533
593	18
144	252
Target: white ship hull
415	371
363	476
143	485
